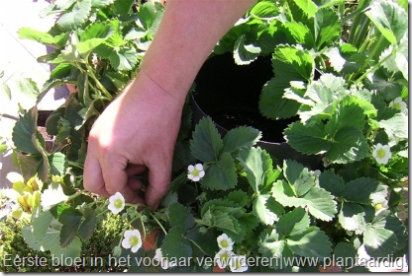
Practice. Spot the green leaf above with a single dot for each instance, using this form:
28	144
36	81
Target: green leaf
220	175
264	10
240	137
397	126
396	59
379	242
352	217
150	15
322	93
346	114
52	195
212	204
247	223
266	209
318	201
175	245
206	143
345	250
300	33
272	104
395	224
202	241
66	215
41	37
180	216
365	190
58	163
98	4
71	251
307	6
224	222
271	247
298	176
123	7
239	197
88	224
292	223
308	140
28	88
24	131
28	165
327	27
245	53
348	145
382	81
75	18
332	183
94	35
40	223
68	233
290	64
389	18
258	167
312	243
123	59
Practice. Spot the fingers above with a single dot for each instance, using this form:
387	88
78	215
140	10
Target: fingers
116	179
159	179
92	178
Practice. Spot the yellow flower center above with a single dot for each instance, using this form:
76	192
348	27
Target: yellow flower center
134	241
238	264
224	257
118	203
381	153
195	172
378	206
396	105
224	243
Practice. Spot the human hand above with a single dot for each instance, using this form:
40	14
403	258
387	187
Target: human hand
137	131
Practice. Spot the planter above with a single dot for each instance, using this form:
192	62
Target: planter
229	94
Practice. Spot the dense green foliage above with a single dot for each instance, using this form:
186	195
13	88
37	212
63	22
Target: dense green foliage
341	68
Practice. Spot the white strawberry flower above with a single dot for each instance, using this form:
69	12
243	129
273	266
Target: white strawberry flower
164	262
132	239
238	263
382	153
224	242
399	104
196	172
116	203
222	258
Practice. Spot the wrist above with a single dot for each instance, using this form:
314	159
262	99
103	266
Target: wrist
144	88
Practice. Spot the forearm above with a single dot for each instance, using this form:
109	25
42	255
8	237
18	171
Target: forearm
188	33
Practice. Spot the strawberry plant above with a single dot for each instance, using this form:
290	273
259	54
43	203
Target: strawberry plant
339	67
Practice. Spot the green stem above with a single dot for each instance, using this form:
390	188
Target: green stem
73	196
159	223
89	71
372	69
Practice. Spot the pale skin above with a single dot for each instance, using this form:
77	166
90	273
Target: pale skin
138	130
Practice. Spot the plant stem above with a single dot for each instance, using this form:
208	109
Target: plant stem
73	196
372	69
158	222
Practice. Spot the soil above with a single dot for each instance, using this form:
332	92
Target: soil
43	132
